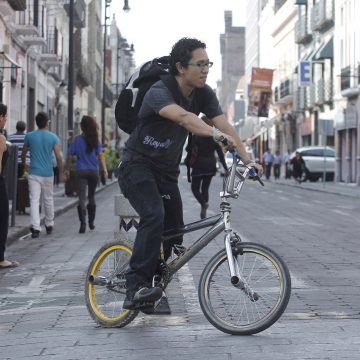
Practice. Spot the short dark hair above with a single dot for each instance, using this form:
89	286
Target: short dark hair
20	126
181	52
3	109
41	119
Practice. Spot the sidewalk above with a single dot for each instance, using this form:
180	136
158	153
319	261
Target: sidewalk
351	189
62	203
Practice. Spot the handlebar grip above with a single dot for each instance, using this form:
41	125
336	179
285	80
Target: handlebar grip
255	175
224	141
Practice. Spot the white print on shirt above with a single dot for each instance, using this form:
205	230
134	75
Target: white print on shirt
166	196
149	140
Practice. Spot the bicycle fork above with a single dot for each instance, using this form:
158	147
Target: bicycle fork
234	270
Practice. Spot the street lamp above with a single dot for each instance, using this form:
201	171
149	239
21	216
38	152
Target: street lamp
126	8
107	5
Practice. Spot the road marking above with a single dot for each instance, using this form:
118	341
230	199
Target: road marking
33	287
189	291
30	310
340	212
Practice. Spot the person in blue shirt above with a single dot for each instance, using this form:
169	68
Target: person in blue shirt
41	144
87	150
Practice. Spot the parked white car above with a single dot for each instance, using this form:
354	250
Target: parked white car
318	160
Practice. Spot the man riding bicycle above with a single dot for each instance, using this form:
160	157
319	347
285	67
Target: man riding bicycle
149	171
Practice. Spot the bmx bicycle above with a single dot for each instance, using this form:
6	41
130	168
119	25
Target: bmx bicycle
243	289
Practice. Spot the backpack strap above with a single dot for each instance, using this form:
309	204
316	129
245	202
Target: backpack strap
171	83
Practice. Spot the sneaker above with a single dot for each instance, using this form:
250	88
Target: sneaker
35	233
49	229
144	297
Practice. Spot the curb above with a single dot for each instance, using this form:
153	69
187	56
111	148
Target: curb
72	203
321	189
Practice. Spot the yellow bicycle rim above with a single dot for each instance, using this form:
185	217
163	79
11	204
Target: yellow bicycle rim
92	291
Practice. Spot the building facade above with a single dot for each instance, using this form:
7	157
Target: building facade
35	64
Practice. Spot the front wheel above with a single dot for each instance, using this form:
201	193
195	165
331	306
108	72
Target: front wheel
105	285
253	304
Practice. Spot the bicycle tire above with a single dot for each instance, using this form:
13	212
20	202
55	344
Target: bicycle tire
254	315
104	304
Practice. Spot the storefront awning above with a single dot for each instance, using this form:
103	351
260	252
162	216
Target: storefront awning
308	57
326	51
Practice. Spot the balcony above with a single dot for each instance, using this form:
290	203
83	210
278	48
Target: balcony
284	93
83	72
345	78
301	98
30	22
328	91
7	7
55	72
322	15
319	92
302	34
310	95
50	55
108	96
79	12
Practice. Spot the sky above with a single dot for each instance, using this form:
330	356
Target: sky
153	26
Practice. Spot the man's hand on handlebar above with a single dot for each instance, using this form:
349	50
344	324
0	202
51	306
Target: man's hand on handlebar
226	141
257	166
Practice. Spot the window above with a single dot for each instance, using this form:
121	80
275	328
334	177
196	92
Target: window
329	153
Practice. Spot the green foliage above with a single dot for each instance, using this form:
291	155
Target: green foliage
111	158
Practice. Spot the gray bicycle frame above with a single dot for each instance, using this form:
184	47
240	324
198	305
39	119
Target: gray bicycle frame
218	225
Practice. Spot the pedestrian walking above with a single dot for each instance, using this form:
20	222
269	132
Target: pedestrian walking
41	144
286	159
149	171
204	167
87	150
4	201
298	167
56	168
268	161
18	140
277	164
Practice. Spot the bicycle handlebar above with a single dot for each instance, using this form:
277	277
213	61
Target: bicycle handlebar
252	171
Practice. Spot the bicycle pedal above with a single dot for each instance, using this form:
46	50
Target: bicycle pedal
144	305
161	307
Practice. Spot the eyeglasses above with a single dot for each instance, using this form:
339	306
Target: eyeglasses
202	64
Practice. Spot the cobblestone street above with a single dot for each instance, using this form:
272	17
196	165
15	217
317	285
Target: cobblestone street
43	313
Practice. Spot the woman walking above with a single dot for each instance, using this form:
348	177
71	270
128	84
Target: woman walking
204	168
87	150
4	201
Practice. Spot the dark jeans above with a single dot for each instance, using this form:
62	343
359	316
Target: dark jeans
4	217
277	171
268	170
156	198
200	188
89	179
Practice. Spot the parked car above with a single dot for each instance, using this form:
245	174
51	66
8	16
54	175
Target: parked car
318	159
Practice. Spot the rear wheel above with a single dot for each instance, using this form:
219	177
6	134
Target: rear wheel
105	285
256	302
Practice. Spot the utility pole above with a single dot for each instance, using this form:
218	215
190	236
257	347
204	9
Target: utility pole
71	68
103	104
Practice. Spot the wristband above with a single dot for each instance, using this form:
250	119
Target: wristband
217	134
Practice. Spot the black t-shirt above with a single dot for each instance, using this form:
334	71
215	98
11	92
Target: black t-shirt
159	140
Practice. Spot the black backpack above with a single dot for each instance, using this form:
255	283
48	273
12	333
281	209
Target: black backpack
131	97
